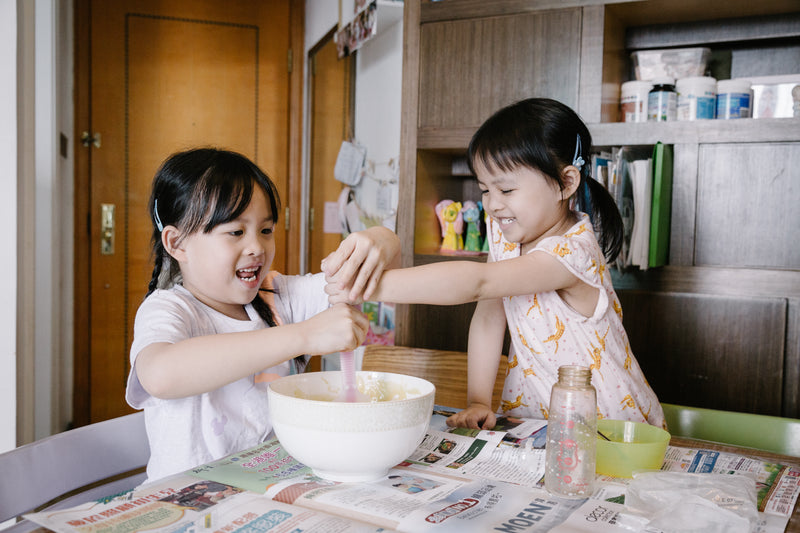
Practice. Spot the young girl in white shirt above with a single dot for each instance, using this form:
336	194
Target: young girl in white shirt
205	342
546	280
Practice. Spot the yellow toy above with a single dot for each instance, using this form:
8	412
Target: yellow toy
449	214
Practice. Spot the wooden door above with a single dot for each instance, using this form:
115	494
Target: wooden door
331	122
154	78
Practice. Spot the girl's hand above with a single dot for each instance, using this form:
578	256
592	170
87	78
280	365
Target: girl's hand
476	416
337	329
338	294
357	264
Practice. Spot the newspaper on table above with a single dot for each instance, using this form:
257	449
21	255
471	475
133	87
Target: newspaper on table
184	503
412	500
254	469
456	480
512	452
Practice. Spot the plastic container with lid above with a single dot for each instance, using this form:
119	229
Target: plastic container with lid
673	62
633	101
734	99
662	101
697	97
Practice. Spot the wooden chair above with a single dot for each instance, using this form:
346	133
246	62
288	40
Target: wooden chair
771	433
73	467
447	370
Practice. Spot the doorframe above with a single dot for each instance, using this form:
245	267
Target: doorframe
81	340
82	252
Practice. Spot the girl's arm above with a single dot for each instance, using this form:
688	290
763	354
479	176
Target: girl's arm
457	282
361	258
486	332
202	364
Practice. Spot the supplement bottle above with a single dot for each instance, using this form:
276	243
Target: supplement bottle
734	99
633	100
662	101
697	98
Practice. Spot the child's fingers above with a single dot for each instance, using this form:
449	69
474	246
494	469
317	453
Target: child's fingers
371	267
358	326
372	284
334	261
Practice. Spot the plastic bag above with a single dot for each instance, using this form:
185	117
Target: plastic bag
349	163
684	502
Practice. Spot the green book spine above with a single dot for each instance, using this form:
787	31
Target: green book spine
661	211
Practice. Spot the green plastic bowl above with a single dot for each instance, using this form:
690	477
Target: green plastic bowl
633	446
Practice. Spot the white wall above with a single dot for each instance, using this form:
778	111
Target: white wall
35	212
379	83
379	66
8	221
45	210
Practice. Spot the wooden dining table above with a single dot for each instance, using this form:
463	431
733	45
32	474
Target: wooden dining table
794	521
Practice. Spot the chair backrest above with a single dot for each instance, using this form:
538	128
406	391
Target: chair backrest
75	466
447	370
771	433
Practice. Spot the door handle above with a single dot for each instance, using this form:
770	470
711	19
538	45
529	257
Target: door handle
107	229
88	139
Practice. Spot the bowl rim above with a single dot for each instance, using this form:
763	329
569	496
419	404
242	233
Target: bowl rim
660	435
297	377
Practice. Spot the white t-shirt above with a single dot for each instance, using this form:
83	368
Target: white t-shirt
187	432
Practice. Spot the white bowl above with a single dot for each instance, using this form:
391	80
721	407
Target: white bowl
350	441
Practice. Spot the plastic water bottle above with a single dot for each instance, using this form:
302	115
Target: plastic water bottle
571	434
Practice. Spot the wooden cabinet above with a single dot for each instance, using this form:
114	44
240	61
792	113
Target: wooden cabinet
719	326
690	356
471	68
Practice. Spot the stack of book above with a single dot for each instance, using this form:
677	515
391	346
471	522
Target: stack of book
640	181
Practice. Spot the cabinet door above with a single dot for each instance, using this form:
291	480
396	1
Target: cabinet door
709	351
747	198
471	68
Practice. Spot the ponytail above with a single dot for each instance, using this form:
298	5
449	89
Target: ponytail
159	261
593	199
263	309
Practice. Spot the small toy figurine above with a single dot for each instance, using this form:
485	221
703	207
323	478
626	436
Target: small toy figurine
449	213
472	215
485	247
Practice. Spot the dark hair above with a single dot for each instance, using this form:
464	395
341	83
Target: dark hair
196	190
546	135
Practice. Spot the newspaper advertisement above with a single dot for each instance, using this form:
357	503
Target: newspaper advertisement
412	500
253	469
512	451
182	504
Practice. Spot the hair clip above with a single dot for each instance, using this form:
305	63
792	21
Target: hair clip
159	225
577	160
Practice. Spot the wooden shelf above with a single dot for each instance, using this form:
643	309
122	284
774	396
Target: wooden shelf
700	132
721	281
455	141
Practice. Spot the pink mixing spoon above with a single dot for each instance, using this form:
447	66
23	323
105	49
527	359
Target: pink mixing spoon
347	362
